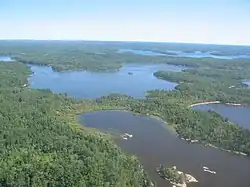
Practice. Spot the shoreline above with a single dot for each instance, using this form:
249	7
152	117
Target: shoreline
215	102
188	178
212	146
172	128
204	103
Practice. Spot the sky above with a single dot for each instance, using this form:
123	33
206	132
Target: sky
188	21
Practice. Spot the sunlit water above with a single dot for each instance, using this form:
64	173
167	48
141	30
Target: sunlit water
152	143
133	80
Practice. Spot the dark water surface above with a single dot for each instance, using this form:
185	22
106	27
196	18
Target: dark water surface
155	145
132	79
171	53
237	114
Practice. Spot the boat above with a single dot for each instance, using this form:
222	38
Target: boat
124	137
209	171
129	135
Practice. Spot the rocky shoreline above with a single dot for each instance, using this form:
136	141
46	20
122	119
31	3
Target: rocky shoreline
170	175
213	146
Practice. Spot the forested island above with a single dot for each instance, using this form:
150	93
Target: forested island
43	145
175	177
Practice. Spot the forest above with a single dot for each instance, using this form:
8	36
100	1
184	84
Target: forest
207	127
171	174
42	147
104	56
42	144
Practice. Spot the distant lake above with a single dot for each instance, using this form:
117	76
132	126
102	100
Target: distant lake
5	59
171	53
154	145
133	80
247	83
237	114
141	52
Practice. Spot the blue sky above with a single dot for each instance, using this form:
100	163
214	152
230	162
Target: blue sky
193	21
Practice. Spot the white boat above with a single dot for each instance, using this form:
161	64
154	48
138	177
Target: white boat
209	171
204	167
129	135
124	137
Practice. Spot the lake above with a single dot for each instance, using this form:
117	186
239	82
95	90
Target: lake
171	53
154	145
5	59
237	114
141	52
132	79
247	83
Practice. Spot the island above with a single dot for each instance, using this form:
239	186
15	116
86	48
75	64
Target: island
175	177
40	127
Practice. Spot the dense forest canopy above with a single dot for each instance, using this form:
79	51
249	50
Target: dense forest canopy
39	133
40	147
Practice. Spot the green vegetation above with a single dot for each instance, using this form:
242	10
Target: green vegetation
103	56
41	145
213	81
172	107
172	174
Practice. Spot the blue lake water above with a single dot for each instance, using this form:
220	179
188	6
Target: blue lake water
5	59
141	52
151	142
247	83
237	114
195	54
133	80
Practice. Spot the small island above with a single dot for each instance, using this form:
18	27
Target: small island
175	177
130	73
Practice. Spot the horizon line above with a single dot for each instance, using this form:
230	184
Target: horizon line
123	41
